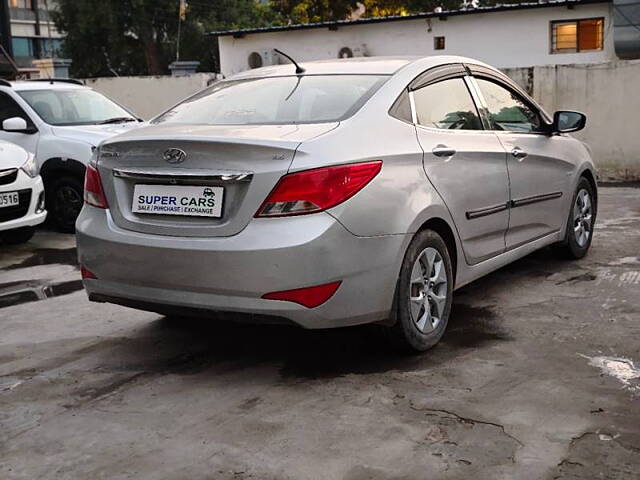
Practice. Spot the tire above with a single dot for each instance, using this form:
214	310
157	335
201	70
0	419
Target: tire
64	199
17	236
575	244
419	326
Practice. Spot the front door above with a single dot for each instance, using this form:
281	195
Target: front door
538	173
465	164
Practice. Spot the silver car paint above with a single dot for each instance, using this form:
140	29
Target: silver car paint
361	242
232	273
479	160
263	153
547	169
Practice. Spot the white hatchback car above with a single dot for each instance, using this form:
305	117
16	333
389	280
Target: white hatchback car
21	194
60	121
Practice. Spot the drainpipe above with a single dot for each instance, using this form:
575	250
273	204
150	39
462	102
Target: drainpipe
36	12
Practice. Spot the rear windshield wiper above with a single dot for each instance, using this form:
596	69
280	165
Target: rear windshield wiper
117	120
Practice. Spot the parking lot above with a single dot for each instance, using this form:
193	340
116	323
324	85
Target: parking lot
530	380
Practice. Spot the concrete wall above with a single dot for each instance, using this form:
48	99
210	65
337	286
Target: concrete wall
149	96
503	39
609	94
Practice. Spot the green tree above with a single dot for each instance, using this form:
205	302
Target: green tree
138	37
308	11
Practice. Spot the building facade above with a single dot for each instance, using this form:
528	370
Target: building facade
507	36
33	34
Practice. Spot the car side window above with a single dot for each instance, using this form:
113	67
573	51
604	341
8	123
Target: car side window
506	110
401	109
9	109
446	105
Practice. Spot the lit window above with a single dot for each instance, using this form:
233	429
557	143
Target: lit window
577	35
438	43
20	4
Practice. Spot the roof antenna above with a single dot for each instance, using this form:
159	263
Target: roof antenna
299	69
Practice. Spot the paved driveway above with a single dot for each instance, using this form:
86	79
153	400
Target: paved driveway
530	381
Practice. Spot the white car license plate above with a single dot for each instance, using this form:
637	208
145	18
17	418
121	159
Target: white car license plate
9	199
178	200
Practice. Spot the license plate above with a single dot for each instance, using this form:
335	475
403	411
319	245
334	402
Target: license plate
9	199
178	200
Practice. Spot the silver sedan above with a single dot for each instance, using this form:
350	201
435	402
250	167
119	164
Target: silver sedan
334	193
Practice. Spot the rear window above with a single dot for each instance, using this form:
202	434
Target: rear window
276	100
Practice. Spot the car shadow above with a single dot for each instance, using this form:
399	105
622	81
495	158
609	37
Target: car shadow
200	345
194	346
187	346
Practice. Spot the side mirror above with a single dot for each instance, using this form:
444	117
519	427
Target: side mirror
565	121
15	124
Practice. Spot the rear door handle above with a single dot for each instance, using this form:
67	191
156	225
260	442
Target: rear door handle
443	151
518	153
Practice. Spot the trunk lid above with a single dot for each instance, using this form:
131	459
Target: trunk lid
246	161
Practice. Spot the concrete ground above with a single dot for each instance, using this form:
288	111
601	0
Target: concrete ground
533	379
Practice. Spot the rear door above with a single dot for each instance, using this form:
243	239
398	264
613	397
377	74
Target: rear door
539	165
465	164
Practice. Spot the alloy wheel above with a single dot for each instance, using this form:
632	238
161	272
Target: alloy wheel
428	290
582	218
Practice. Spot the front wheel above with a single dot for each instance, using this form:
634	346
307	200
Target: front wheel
424	293
582	218
64	202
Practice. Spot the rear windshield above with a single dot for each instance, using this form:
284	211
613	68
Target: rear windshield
276	100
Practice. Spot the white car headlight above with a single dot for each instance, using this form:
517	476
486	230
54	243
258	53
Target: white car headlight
30	167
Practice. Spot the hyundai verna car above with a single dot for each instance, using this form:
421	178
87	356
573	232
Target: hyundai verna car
353	191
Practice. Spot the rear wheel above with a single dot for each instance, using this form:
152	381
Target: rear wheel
424	293
19	235
580	223
64	202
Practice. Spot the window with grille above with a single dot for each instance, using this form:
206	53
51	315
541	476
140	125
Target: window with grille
577	35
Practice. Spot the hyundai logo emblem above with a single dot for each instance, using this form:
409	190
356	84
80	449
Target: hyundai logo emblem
174	155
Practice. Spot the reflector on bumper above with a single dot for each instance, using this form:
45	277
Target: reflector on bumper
309	297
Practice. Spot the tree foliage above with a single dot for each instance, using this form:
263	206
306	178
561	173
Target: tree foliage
381	8
308	11
139	37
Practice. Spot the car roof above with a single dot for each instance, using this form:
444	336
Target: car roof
40	85
355	65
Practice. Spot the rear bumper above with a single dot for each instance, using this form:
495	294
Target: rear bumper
230	274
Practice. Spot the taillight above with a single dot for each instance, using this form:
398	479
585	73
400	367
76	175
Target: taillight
93	193
86	273
315	190
309	297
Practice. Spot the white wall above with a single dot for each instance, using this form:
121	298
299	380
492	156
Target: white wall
149	96
608	94
504	39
